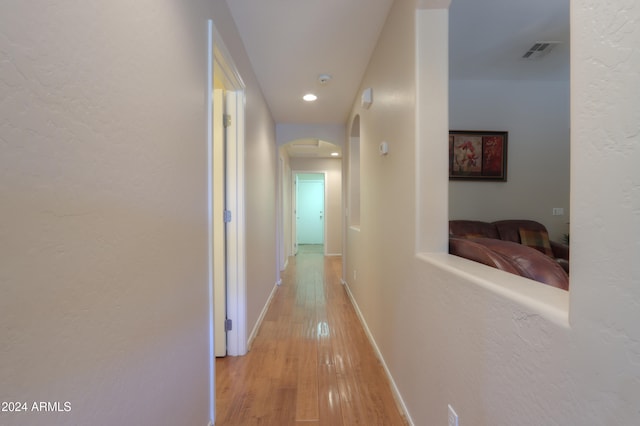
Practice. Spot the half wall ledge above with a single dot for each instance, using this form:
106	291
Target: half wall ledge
549	302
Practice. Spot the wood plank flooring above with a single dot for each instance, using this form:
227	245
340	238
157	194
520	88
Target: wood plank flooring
311	363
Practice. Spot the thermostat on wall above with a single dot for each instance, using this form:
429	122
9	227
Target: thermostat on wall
384	148
367	98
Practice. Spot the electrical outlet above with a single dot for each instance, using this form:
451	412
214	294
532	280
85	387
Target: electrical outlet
453	417
557	211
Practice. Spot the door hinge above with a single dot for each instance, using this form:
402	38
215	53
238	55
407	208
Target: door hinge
227	216
228	325
226	119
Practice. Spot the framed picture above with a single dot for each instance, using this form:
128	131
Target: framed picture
478	155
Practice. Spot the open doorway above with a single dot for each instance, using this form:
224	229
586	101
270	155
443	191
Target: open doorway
228	270
219	208
309	156
225	202
309	212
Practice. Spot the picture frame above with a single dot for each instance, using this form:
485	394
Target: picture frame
478	155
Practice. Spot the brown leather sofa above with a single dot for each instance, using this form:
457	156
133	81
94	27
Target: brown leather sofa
520	247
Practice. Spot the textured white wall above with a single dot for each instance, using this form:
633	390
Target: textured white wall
536	115
103	234
103	182
501	349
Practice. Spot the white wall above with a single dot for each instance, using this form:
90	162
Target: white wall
103	182
536	115
104	216
261	178
333	213
288	132
501	349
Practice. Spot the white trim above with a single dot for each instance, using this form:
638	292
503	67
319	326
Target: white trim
209	110
256	328
230	71
236	257
294	203
218	233
394	388
281	257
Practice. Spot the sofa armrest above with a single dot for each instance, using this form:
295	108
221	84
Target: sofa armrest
560	251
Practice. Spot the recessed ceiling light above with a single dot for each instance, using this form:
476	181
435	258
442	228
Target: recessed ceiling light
309	97
335	154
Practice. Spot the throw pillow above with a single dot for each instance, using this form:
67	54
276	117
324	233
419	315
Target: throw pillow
537	239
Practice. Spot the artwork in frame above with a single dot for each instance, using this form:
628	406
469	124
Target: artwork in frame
478	155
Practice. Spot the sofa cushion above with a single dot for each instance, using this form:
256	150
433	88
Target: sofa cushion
478	252
472	229
530	262
537	239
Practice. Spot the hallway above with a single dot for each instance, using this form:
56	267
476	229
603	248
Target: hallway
311	362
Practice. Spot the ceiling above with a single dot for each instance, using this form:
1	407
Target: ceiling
487	39
312	148
291	42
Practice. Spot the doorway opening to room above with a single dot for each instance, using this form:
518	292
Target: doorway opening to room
309	212
227	269
225	203
303	160
533	207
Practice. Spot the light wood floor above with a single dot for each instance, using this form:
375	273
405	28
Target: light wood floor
311	363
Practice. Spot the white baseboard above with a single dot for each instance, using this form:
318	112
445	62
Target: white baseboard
394	388
256	328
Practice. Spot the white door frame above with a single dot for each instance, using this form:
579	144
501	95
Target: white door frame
294	203
280	224
236	258
236	250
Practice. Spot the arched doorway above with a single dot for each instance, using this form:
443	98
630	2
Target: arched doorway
310	156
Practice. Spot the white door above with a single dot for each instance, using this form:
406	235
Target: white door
310	209
219	225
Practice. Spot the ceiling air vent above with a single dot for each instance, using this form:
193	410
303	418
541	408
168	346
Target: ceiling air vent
540	49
